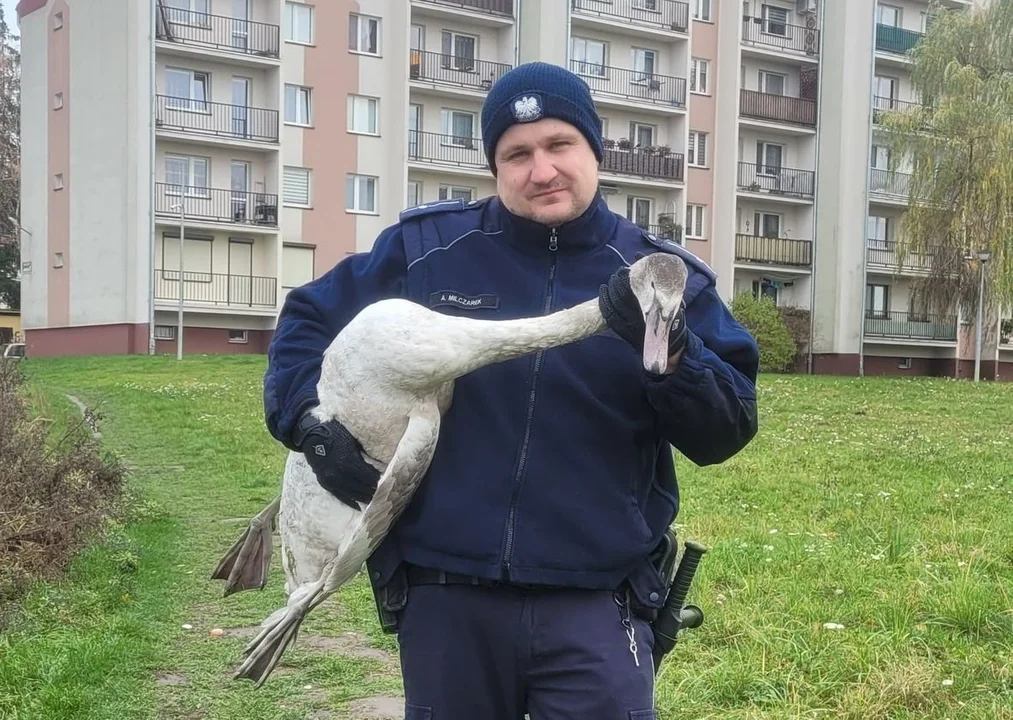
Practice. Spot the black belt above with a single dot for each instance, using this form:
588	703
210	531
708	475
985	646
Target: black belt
429	576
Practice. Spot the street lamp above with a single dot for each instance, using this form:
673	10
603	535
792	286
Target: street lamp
983	256
179	312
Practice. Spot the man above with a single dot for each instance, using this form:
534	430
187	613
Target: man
520	578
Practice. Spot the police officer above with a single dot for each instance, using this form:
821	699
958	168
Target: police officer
520	579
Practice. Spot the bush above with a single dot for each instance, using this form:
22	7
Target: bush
56	490
797	320
763	319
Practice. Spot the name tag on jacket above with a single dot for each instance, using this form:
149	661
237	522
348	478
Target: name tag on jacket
467	302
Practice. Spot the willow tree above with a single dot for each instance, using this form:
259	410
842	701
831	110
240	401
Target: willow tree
10	165
958	141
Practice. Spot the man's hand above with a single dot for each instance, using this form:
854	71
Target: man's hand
336	458
621	310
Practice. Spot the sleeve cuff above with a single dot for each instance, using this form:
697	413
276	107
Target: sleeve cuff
688	375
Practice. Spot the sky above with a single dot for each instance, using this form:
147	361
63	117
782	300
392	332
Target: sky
10	15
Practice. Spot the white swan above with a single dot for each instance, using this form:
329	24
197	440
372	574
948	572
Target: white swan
388	377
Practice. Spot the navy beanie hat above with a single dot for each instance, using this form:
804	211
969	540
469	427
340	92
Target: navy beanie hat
534	91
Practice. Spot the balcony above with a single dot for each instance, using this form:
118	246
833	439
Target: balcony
777	108
644	162
665	231
772	35
215	119
776	180
454	150
492	7
217	289
884	253
660	14
897	185
881	104
217	205
454	70
773	251
635	85
911	326
218	32
895	40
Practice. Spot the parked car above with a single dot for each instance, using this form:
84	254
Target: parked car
12	351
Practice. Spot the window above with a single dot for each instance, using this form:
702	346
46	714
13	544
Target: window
187	89
887	15
768	158
697	154
772	83
189	12
878	232
296	186
298	23
364	34
638	210
363	115
694	221
702	10
766	224
877	300
458	51
880	157
457	127
414	198
296	266
698	76
361	194
775	20
641	135
456	192
189	174
297	105
644	63
884	92
165	332
239	336
765	288
588	57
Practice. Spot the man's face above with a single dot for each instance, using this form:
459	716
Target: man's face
546	171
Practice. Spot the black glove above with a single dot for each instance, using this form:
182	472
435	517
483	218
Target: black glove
621	310
336	458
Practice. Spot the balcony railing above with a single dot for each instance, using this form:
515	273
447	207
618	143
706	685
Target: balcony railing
493	7
884	182
779	108
217	205
881	104
446	149
884	252
895	40
645	163
780	36
776	180
667	14
773	250
665	232
217	289
456	70
911	326
632	84
203	117
219	32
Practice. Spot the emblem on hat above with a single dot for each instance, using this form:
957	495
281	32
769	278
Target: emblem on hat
527	108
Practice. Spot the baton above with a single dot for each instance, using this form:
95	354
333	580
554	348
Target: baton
673	617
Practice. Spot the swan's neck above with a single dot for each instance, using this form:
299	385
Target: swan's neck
482	343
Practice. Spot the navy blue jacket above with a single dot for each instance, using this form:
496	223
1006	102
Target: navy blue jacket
552	468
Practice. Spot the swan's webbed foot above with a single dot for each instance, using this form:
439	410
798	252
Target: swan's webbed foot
245	566
265	651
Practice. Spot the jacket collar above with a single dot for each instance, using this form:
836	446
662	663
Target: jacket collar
592	229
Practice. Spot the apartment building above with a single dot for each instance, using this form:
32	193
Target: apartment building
280	136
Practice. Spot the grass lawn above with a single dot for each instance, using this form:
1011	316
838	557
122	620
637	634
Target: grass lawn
881	506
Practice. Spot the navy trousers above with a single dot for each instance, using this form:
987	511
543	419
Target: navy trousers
496	653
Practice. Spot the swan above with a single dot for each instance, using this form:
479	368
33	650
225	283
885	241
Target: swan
388	377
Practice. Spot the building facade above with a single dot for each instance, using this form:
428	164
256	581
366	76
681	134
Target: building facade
280	136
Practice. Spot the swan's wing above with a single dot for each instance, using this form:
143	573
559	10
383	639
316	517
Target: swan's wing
394	491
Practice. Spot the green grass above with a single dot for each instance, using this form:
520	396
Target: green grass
882	505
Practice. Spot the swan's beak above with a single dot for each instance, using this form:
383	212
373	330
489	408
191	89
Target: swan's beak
656	340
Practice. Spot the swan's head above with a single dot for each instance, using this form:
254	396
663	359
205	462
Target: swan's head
658	281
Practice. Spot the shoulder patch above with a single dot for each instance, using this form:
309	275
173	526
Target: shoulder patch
670	246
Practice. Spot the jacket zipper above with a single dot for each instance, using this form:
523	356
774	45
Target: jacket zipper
512	517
